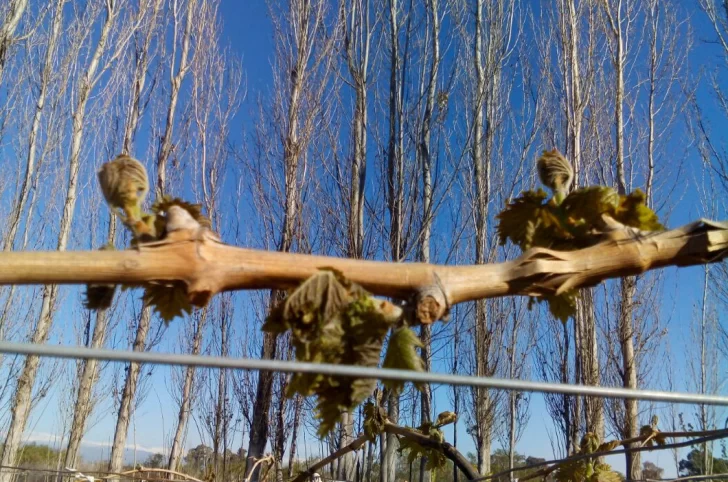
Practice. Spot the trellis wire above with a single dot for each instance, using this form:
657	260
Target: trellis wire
74	352
97	475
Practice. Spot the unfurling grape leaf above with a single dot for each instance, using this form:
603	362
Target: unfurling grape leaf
446	418
584	207
521	218
374	420
99	297
632	211
402	354
586	470
580	220
331	321
435	458
169	300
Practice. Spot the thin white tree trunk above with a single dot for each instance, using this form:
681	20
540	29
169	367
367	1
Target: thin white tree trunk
126	405
175	452
15	11
176	78
88	374
425	158
21	400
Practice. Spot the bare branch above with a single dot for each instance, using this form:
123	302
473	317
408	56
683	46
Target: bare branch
208	267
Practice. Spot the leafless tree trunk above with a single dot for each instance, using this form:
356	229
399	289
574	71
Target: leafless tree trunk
356	25
304	46
618	17
521	341
706	373
128	394
186	396
425	155
492	44
31	170
297	412
88	373
395	202
11	13
182	38
45	79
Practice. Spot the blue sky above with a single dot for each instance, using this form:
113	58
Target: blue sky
247	28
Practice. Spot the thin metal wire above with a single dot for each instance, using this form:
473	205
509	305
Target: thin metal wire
75	352
75	475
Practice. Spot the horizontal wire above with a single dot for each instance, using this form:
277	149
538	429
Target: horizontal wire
77	475
78	352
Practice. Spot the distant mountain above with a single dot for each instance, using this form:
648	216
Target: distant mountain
96	452
92	451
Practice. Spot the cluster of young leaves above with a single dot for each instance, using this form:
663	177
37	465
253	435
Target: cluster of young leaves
332	320
402	354
99	296
580	220
586	470
374	420
435	458
652	435
168	300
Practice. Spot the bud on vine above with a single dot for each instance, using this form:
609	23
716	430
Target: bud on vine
125	184
556	173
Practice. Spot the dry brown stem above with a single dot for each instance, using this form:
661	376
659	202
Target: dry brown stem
447	449
208	267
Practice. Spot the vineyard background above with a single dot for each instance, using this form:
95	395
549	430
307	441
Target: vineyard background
370	129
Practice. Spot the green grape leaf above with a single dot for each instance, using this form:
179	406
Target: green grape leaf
402	354
607	476
98	297
331	321
632	211
587	470
168	300
446	418
521	218
584	207
435	458
562	307
374	420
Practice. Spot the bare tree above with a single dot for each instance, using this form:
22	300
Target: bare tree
425	156
34	144
358	28
395	205
147	15
11	13
304	43
182	39
93	72
187	392
619	16
45	79
493	40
